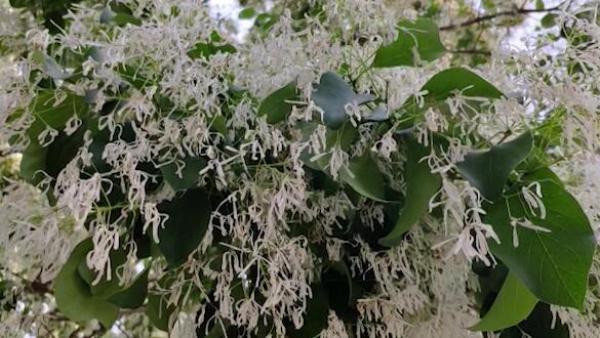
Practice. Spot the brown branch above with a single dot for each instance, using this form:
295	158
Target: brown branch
516	11
471	51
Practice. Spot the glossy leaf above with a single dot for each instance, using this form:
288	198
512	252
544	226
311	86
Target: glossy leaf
417	41
332	95
364	177
187	223
275	106
553	264
189	175
73	296
513	304
443	84
488	171
421	185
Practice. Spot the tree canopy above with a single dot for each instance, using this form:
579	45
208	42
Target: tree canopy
314	168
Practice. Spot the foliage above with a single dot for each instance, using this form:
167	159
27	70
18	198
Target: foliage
346	169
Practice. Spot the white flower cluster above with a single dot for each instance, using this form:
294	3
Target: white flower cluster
166	106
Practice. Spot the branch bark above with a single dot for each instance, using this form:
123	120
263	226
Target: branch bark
483	18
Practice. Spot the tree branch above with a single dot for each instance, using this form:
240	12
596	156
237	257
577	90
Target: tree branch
471	51
516	11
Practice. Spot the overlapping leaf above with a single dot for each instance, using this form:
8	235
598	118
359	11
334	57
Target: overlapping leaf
417	41
421	186
488	171
554	264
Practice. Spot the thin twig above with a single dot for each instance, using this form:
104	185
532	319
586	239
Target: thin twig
471	51
516	11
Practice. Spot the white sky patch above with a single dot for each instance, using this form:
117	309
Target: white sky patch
230	10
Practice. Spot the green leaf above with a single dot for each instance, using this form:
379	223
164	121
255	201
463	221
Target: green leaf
443	84
133	296
265	21
332	95
541	323
51	67
104	288
189	173
119	16
554	265
488	171
48	113
539	4
513	304
315	317
187	223
417	41
421	185
204	50
247	13
73	296
275	106
549	20
158	311
364	177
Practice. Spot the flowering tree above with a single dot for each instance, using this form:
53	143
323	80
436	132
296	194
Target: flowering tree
347	168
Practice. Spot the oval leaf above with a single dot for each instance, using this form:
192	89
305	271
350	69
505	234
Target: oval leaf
513	304
134	296
421	185
364	177
417	41
188	220
443	84
73	296
332	95
488	171
553	264
187	178
275	106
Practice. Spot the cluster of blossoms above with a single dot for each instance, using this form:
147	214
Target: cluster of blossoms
152	150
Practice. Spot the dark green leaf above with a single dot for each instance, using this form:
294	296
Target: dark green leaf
542	323
158	311
421	185
417	41
204	50
332	95
512	305
488	171
133	296
104	288
73	296
315	317
189	174
188	221
46	114
554	265
275	107
119	17
364	177
442	85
